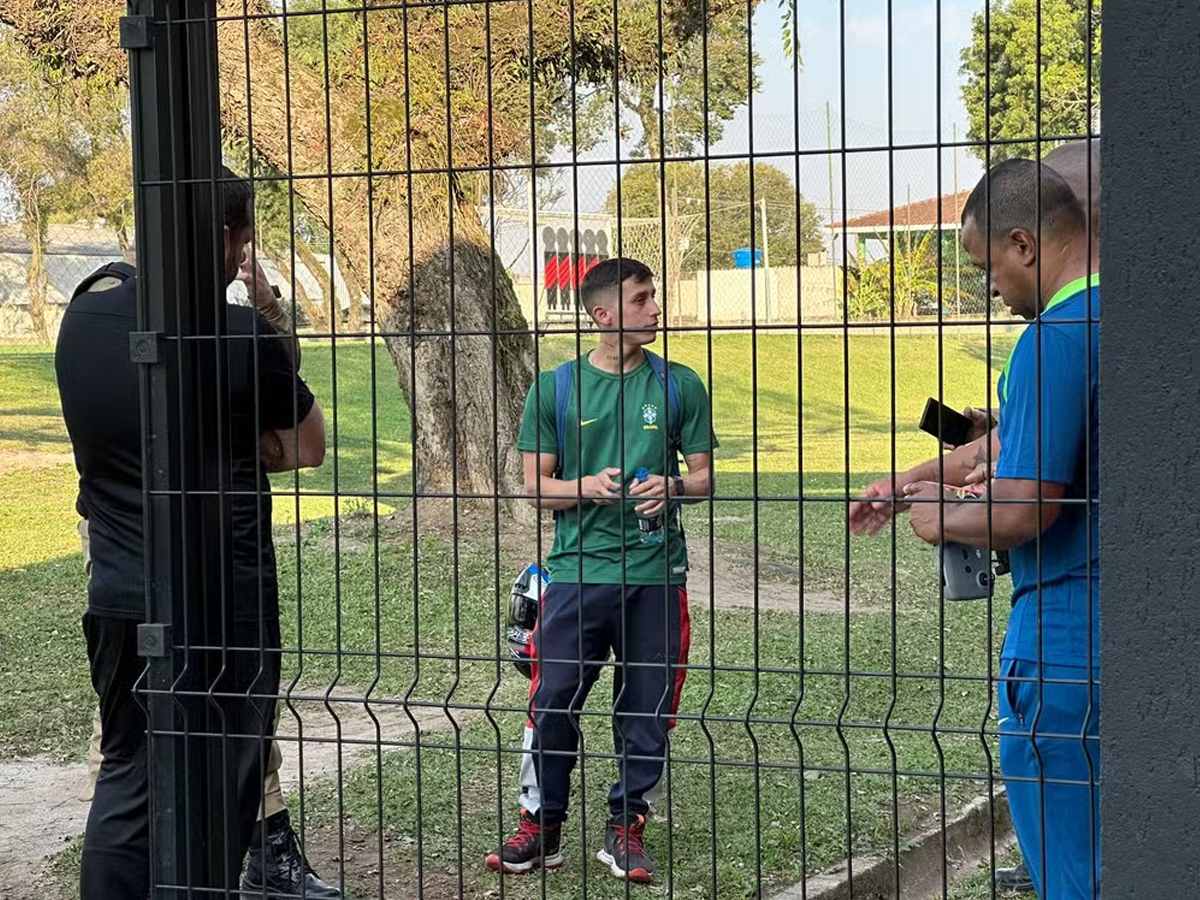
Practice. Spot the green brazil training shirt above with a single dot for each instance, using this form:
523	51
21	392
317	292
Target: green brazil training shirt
643	410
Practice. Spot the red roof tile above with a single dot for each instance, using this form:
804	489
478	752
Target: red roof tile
922	214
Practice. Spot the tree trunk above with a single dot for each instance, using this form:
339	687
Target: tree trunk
318	314
35	278
672	262
466	388
354	312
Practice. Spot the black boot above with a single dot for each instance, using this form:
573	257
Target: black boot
282	866
1014	879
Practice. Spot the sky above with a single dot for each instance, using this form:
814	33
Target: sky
857	39
863	94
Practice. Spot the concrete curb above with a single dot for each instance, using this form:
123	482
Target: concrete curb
968	837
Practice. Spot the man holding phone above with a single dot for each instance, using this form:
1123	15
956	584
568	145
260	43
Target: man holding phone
1079	165
1078	162
1025	224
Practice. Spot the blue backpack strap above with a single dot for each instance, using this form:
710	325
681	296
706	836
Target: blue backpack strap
564	380
674	413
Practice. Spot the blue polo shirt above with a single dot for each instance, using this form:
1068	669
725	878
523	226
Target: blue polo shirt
1049	431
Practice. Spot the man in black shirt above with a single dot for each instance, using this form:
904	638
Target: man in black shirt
98	387
276	860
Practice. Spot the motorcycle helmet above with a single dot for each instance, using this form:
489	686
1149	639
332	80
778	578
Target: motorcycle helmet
524	603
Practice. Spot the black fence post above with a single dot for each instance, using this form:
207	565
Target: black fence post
1150	362
175	123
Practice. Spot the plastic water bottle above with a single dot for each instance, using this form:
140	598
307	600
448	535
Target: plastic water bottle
650	528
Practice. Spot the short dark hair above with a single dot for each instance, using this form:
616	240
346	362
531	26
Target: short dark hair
608	274
236	200
1006	199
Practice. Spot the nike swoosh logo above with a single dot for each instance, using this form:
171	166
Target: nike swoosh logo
586	422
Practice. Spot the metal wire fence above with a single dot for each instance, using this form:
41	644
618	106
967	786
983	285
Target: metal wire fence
71	252
396	654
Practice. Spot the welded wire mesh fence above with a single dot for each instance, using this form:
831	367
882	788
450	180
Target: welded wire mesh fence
455	378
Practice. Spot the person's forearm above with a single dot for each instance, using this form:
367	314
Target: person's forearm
1009	525
272	310
968	523
554	494
302	447
954	467
697	486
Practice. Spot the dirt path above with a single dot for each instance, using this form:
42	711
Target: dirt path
16	460
733	588
40	812
733	562
41	808
40	805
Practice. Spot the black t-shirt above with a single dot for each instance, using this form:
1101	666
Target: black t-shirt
98	387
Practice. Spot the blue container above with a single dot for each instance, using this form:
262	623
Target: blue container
741	258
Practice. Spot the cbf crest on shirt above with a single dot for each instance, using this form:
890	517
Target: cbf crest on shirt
616	421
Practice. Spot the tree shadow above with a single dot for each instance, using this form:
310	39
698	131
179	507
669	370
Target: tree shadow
52	412
33	437
1002	345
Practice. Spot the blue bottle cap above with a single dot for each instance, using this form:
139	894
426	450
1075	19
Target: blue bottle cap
642	474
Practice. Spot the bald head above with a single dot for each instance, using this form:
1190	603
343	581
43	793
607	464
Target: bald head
1079	165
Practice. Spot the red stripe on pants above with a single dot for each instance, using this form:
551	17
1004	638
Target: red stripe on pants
534	669
685	643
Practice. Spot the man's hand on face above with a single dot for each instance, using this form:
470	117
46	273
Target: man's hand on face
600	488
258	286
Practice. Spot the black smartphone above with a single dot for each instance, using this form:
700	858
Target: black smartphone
947	425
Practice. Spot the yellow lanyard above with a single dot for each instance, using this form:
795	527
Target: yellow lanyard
1066	292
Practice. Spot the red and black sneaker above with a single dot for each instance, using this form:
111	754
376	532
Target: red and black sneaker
623	852
531	846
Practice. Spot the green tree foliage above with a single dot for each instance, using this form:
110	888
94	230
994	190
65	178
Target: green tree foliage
64	155
723	225
687	103
904	282
1002	66
791	43
450	91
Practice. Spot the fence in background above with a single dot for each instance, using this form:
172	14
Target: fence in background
838	726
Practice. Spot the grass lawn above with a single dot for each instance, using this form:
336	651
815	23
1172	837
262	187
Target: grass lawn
882	710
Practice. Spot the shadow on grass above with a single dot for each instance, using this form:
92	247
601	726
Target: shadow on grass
787	732
1002	345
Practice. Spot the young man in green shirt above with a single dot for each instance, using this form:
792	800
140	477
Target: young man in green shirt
618	565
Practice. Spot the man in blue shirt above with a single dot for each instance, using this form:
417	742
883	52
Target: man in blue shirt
1078	162
1046	480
